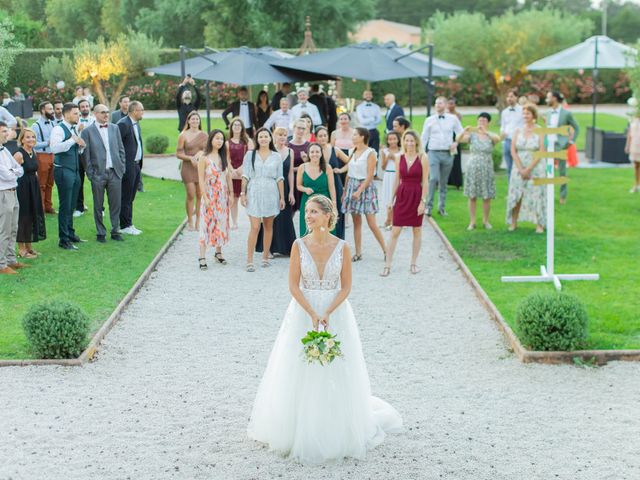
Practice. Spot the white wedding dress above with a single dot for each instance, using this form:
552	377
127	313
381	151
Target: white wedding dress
317	413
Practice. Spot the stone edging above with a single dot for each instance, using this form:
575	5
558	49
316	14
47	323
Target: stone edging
89	352
600	357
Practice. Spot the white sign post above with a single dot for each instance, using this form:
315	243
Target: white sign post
547	272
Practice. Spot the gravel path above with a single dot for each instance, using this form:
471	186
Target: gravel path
171	391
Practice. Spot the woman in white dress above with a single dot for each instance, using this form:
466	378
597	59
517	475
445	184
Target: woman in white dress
262	193
310	412
388	165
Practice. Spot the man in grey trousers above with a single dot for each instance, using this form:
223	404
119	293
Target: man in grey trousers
104	162
438	134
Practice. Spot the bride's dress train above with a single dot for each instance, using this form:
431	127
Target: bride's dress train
315	413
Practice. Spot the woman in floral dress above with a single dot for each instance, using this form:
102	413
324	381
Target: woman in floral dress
217	197
526	201
479	181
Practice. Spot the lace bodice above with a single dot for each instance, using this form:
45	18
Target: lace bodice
310	277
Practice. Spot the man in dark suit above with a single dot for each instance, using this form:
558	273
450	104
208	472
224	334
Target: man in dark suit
132	141
332	119
104	162
282	93
123	103
242	108
320	102
393	110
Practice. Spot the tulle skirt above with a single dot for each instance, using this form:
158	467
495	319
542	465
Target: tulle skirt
316	413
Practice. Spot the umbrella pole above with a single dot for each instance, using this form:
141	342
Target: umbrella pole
429	80
208	100
182	66
595	100
411	99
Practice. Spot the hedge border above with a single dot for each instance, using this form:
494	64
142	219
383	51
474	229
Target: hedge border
600	357
89	353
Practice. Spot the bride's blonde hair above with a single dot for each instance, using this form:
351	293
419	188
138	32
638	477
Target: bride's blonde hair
326	206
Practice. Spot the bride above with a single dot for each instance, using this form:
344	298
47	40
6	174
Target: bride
310	412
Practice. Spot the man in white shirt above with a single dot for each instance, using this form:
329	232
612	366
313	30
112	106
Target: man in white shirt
7	118
10	171
438	139
510	120
369	116
304	106
280	118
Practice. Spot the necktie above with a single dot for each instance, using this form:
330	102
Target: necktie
243	103
73	130
104	126
1	149
441	116
512	109
47	122
368	104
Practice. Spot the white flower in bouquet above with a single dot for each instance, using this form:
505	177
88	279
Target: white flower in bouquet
321	347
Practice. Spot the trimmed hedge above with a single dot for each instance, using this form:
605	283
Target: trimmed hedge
157	143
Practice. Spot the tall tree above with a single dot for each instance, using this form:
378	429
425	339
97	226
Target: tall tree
9	49
181	26
74	20
502	47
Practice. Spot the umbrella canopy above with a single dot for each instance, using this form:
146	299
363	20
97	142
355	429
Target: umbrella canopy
243	66
610	54
368	61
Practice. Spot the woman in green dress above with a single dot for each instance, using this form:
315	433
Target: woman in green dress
314	177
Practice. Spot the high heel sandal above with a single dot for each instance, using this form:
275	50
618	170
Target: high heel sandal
356	258
250	267
202	262
26	254
414	269
386	271
265	264
218	256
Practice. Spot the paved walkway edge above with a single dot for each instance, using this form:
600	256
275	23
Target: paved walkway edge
600	357
89	352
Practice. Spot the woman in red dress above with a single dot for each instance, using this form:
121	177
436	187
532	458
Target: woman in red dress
239	143
409	197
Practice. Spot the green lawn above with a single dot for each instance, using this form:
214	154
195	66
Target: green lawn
597	231
167	126
97	276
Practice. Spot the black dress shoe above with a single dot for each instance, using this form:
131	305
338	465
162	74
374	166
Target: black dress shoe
67	246
117	237
101	239
77	239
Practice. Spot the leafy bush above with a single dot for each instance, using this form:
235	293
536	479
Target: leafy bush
56	329
157	143
555	321
496	156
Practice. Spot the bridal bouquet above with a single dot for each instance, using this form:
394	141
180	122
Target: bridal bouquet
320	347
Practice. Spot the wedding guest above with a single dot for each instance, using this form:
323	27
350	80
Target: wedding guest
84	121
67	146
558	117
526	201
438	136
511	119
185	103
455	177
393	110
215	185
342	138
6	99
337	160
79	95
191	141
239	144
132	140
304	106
281	118
86	93
18	96
244	109
388	164
263	109
320	102
283	92
284	233
298	145
123	109
315	177
10	172
309	134
31	223
409	198
104	161
332	118
369	116
58	118
360	195
8	119
632	148
479	181
262	193
43	127
401	125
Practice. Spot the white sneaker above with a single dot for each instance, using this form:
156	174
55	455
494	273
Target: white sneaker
78	213
128	231
634	189
135	230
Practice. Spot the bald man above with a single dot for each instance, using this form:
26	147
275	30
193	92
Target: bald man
393	110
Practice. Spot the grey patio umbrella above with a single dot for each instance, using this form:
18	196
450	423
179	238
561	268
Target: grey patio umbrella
594	53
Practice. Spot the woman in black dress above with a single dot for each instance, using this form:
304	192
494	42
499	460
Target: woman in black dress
31	224
284	233
263	109
455	177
